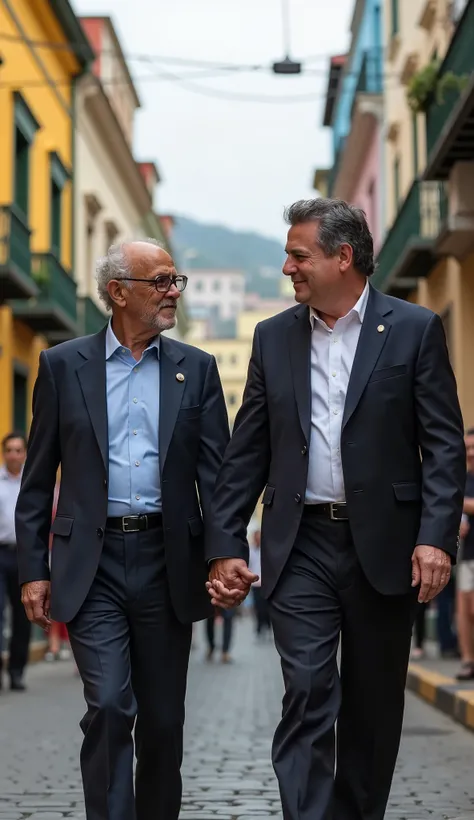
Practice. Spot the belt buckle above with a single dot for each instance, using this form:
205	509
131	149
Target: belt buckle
125	523
333	508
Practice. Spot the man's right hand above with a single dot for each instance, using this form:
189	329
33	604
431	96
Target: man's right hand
229	582
35	597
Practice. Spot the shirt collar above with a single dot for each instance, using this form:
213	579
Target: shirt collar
358	309
112	344
6	476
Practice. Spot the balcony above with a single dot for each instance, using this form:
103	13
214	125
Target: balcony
54	311
450	125
16	281
91	319
409	251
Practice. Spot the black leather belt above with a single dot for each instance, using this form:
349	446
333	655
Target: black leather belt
135	523
336	511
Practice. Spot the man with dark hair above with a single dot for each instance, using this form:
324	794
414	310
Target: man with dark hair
351	427
465	573
14	454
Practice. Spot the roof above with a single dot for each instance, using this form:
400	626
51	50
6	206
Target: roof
108	22
336	68
72	28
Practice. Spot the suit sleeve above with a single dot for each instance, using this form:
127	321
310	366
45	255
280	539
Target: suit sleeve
35	501
214	437
441	441
244	471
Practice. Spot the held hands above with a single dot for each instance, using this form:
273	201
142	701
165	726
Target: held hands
229	582
35	597
431	569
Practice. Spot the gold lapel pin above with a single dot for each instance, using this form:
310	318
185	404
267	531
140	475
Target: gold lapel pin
381	328
179	377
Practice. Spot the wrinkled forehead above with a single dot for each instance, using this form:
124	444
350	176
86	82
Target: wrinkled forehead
149	260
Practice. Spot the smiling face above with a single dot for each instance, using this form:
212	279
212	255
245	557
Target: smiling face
315	276
147	308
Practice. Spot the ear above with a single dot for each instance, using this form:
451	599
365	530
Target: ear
346	256
117	291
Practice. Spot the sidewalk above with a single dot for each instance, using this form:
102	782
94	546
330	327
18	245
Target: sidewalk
434	680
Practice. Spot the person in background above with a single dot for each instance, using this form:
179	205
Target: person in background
465	576
419	632
227	618
58	649
14	455
260	605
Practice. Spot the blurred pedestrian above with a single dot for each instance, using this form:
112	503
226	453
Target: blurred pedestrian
419	632
58	638
465	571
351	428
137	421
226	618
14	454
260	604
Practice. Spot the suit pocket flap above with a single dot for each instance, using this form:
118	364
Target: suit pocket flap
188	413
407	491
62	525
195	525
268	494
388	372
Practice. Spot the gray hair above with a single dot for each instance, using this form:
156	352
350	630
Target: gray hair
339	223
114	265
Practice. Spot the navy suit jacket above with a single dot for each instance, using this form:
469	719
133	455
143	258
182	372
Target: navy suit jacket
402	447
70	429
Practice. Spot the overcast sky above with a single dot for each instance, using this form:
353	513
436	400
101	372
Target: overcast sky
231	162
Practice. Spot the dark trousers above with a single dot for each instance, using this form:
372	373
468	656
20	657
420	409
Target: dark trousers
322	598
262	614
446	603
20	626
227	616
132	655
420	625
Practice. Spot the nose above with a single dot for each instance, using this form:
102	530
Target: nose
173	292
289	267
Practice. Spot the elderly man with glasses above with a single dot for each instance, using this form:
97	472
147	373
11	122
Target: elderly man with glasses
137	422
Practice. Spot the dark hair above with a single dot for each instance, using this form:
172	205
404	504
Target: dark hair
339	223
11	436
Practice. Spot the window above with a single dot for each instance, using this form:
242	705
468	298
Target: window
59	177
198	285
55	219
396	183
20	391
415	143
22	168
216	285
395	17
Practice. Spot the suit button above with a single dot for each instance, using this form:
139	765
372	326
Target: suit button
304	450
105	482
100	532
297	498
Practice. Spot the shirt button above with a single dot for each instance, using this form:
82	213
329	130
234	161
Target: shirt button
134	432
137	464
334	373
336	412
135	401
137	497
122	350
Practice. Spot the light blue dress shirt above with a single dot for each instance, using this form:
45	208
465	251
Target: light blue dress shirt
133	410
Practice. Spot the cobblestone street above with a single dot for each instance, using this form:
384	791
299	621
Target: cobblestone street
232	711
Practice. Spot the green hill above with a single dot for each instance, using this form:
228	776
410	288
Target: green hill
198	245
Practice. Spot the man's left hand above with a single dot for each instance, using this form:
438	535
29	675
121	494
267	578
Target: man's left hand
431	570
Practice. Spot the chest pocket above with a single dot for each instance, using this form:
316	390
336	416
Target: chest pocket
388	373
189	413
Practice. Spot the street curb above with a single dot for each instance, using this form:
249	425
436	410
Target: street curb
452	697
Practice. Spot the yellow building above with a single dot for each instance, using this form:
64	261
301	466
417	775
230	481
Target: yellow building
428	252
43	50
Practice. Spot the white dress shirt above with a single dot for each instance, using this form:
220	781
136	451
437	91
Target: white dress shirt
332	356
9	490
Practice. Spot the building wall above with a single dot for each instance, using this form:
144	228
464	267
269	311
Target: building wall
222	290
368	192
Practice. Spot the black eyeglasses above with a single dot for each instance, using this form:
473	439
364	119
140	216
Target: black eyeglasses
162	283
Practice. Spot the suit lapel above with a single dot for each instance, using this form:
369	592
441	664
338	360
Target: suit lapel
373	335
171	392
299	338
91	375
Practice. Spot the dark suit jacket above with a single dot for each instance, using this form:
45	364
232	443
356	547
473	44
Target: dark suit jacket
401	404
70	428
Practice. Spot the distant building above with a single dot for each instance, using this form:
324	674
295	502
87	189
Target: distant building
221	291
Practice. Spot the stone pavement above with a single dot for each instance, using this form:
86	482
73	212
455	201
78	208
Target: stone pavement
231	713
434	679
